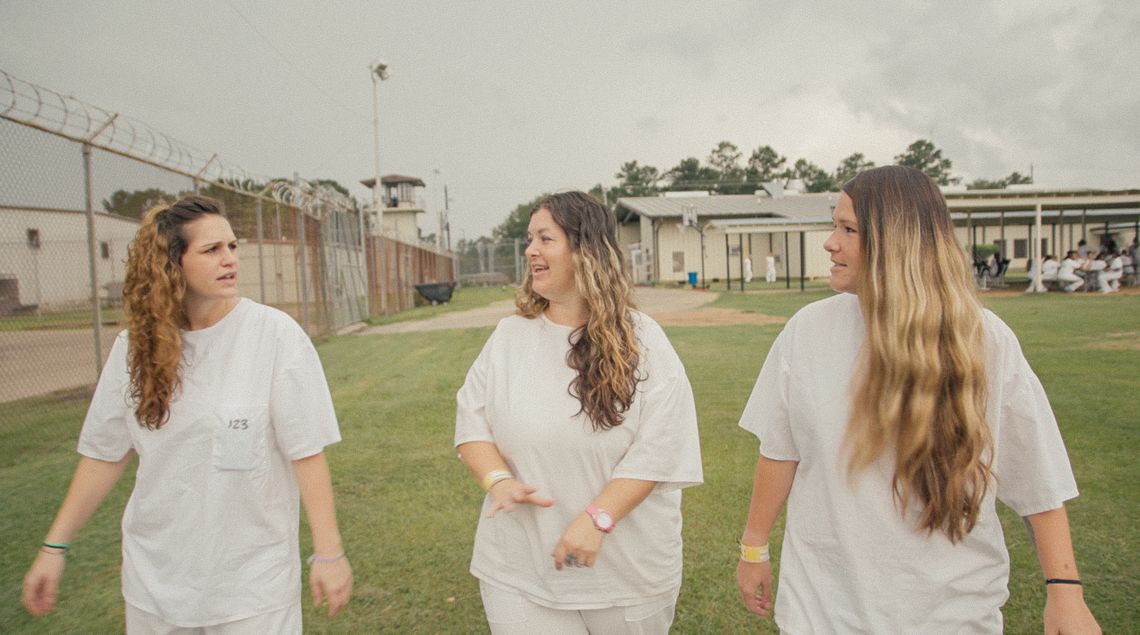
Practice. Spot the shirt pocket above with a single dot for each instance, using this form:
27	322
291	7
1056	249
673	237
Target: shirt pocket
239	436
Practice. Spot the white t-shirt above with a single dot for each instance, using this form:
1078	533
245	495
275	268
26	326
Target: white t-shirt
516	395
850	562
210	531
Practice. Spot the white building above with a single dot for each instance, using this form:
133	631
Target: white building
788	222
44	257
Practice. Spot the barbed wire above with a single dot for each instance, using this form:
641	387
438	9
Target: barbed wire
63	115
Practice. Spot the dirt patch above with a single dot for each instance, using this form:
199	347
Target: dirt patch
716	317
1127	341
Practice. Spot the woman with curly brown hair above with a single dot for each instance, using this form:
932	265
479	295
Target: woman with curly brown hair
890	418
225	403
578	420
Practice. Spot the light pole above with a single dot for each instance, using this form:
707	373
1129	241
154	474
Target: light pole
379	72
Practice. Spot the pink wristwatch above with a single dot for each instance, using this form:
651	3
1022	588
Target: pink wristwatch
603	520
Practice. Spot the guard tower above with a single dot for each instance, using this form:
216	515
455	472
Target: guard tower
400	207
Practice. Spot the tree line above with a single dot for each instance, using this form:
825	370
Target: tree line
725	171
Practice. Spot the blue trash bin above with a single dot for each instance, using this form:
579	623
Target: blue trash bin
692	278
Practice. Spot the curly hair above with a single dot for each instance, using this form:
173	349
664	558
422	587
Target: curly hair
152	300
604	350
921	389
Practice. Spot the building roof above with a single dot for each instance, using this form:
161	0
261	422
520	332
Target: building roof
978	207
729	205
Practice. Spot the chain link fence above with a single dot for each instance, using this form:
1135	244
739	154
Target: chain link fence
491	263
74	182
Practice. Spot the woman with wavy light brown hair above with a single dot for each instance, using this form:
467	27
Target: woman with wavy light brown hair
225	404
578	420
890	418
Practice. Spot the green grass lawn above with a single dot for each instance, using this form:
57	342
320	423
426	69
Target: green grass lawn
408	508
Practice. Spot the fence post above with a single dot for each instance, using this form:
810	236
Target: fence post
302	247
260	255
518	274
362	262
96	308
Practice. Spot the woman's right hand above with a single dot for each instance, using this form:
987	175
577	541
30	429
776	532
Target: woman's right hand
509	492
41	584
755	583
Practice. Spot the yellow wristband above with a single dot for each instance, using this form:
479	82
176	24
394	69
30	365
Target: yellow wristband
754	555
494	476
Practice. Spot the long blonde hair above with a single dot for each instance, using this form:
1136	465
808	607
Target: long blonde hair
604	350
921	388
152	300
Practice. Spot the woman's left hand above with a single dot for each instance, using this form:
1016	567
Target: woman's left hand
331	581
1066	612
579	545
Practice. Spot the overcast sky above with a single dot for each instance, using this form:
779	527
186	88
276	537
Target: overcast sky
502	101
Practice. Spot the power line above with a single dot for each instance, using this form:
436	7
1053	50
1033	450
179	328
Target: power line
290	63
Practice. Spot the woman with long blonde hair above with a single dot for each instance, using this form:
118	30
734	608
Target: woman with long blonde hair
890	418
225	404
578	420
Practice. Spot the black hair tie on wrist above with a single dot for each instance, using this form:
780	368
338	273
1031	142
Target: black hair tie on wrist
1063	581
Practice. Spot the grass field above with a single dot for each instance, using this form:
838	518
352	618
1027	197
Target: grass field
408	509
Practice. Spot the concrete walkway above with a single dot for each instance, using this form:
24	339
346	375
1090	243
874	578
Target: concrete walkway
658	303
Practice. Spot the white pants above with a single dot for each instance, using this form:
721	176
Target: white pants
509	613
770	275
1109	280
1075	282
286	621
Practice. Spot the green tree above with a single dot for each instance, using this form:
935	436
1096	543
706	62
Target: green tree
134	204
689	174
636	180
852	165
986	184
1015	178
924	155
765	164
815	178
517	221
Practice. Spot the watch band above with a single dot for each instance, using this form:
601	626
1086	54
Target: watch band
603	520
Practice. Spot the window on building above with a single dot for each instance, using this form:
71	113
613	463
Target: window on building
678	261
1020	248
105	250
34	238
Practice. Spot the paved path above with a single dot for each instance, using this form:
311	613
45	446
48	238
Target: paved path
38	362
658	303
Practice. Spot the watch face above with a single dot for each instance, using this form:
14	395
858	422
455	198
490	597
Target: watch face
604	521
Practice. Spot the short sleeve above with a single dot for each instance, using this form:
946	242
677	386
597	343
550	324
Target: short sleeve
301	407
471	422
106	434
1031	465
666	447
766	414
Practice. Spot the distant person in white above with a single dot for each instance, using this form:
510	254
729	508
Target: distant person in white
770	268
1049	269
1109	278
1068	272
747	269
578	420
225	403
890	418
